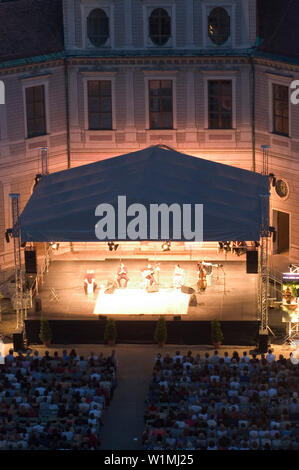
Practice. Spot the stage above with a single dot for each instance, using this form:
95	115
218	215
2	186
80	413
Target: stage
140	302
232	295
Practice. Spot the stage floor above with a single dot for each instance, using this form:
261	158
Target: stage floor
232	295
140	302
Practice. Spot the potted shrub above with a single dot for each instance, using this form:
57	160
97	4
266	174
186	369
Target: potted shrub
110	333
160	335
45	334
216	333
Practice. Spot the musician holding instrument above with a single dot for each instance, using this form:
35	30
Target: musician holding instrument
202	277
148	275
178	277
122	273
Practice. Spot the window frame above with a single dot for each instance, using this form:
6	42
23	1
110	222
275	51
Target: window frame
221	98
101	76
148	7
274	115
160	76
34	82
229	33
161	113
210	76
86	8
160	33
278	80
230	7
103	44
99	98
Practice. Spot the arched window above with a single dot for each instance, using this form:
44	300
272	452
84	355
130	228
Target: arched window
159	26
219	26
98	27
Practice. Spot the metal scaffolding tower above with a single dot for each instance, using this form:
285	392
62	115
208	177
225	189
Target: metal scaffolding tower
264	251
16	235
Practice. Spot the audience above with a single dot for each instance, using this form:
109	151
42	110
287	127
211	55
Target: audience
211	402
54	403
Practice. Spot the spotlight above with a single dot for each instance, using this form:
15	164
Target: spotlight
113	246
37	180
23	245
273	179
54	245
8	235
166	246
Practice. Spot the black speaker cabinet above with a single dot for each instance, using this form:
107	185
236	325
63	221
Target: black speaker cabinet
38	304
18	341
187	290
30	261
252	262
263	344
177	318
193	301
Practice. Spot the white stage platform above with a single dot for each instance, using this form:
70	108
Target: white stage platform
140	302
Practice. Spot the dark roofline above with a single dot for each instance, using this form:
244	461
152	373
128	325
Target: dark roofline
248	53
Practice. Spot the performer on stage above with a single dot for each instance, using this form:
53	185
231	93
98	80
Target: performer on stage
202	277
178	277
122	273
148	274
89	282
209	271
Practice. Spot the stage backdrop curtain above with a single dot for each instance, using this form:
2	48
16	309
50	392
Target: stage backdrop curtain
62	207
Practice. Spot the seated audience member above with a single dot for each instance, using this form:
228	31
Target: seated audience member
231	402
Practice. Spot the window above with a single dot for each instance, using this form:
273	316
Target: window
99	105
219	26
35	111
160	104
220	104
159	26
280	109
98	27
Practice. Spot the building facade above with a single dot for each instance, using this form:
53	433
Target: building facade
113	76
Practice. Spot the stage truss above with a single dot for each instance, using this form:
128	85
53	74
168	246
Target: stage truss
263	285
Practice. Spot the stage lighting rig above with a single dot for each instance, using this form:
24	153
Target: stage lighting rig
54	245
37	180
166	246
272	179
8	234
113	246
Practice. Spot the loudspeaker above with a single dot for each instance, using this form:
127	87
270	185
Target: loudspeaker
18	341
177	317
252	262
263	344
151	289
193	301
187	290
38	304
30	261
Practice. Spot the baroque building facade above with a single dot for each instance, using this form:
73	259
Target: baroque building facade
92	79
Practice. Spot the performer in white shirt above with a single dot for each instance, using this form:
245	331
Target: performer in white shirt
178	277
89	282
